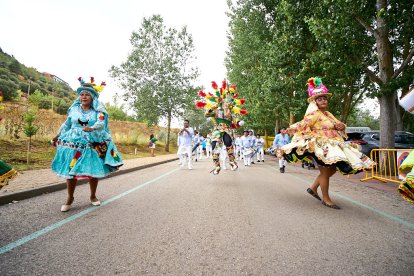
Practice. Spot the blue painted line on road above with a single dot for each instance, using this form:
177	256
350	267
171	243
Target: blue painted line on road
58	224
388	216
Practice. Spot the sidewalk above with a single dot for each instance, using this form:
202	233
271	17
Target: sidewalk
36	182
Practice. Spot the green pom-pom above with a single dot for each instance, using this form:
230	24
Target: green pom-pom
318	81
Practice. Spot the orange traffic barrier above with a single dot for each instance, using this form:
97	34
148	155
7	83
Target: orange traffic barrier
387	163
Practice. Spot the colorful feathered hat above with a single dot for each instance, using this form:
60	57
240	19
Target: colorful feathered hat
316	89
225	94
90	87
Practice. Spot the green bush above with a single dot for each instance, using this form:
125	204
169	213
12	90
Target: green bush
62	109
45	104
9	89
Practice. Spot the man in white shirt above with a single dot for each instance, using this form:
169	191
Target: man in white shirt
280	140
247	146
238	148
260	150
185	140
254	144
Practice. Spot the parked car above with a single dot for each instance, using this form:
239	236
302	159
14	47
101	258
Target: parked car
371	140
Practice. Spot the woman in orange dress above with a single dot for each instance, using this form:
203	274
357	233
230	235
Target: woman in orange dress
320	136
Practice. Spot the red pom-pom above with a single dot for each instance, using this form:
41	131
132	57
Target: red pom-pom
200	104
103	83
242	101
243	111
233	87
201	93
236	95
234	125
223	84
214	85
80	78
311	82
92	79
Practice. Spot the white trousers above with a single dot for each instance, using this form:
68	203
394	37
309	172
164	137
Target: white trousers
185	153
260	154
282	162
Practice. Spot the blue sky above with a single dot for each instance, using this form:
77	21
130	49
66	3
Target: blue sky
72	38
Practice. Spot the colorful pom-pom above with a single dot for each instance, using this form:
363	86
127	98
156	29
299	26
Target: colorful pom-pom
214	85
200	104
236	110
201	93
209	105
318	81
311	82
243	111
223	84
92	80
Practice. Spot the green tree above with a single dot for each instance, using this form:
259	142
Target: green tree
36	97
29	130
158	74
380	30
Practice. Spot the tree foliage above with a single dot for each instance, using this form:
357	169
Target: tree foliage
158	74
352	45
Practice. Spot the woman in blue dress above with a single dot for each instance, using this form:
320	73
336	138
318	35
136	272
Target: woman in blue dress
84	144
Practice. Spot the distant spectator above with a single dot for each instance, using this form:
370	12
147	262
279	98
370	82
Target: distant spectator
151	144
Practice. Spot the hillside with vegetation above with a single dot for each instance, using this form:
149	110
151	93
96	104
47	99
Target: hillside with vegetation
47	90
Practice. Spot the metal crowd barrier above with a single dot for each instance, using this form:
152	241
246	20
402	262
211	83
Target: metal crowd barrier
387	164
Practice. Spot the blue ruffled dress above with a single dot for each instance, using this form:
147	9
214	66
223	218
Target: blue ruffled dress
82	154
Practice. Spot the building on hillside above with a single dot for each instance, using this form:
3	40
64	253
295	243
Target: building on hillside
55	78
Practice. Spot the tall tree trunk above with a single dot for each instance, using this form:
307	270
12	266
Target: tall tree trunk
28	149
386	70
277	126
291	118
266	143
167	144
405	89
346	106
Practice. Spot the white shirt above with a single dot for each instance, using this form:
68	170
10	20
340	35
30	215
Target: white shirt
185	139
260	142
246	141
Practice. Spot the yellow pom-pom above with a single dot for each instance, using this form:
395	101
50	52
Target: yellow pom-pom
236	110
209	105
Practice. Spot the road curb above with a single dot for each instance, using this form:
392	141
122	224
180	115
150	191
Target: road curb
25	194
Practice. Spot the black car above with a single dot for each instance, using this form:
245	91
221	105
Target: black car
371	140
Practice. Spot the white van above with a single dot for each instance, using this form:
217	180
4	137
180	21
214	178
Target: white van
357	129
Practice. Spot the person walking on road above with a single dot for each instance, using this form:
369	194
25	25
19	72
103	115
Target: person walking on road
281	139
185	140
321	136
84	144
151	144
260	148
247	147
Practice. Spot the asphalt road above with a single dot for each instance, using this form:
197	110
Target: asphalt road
167	220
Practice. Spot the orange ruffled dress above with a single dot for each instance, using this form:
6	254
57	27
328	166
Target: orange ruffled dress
316	137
